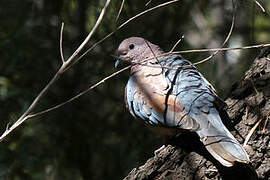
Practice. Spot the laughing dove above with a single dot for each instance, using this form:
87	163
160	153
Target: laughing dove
170	95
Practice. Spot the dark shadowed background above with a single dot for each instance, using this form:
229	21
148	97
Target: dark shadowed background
95	137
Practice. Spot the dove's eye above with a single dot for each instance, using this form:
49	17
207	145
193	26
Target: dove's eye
131	46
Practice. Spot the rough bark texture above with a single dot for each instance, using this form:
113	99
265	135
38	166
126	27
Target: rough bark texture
248	104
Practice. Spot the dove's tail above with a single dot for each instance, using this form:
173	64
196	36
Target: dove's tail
220	142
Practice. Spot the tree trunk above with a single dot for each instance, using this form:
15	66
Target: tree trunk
248	106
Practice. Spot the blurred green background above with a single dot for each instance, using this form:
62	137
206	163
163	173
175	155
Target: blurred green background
95	137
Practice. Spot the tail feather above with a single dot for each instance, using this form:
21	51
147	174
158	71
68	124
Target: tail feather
225	150
220	142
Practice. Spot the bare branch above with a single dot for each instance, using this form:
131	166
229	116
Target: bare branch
61	43
220	49
146	11
265	123
151	50
174	46
120	10
260	6
14	126
148	2
251	132
101	15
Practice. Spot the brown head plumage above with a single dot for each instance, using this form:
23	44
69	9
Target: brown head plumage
136	49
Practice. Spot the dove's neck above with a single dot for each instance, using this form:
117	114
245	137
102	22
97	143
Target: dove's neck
136	68
147	68
146	60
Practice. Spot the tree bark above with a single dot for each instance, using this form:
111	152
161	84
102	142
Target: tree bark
248	105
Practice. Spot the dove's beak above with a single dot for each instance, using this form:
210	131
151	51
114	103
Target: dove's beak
117	62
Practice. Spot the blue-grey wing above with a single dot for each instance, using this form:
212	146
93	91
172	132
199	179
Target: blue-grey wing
200	102
138	105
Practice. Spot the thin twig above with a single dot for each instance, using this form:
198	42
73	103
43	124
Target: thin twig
265	123
14	126
260	6
86	40
174	46
251	132
151	50
148	2
146	11
61	43
120	10
220	49
246	114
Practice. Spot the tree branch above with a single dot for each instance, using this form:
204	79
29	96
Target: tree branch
61	43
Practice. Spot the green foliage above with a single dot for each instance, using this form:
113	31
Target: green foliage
95	137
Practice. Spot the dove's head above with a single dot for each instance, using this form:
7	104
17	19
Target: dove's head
136	50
